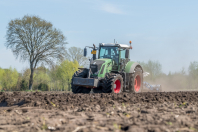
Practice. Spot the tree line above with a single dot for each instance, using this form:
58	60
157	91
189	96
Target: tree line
58	77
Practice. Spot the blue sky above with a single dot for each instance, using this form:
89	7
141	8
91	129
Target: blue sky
164	31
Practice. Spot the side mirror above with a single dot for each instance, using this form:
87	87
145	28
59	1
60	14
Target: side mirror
127	54
85	52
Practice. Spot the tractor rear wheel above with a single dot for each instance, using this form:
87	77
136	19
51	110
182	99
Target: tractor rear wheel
113	83
136	81
80	89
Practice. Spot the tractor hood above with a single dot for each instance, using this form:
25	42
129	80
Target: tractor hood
96	65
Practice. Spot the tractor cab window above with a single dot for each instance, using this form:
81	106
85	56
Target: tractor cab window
109	52
122	54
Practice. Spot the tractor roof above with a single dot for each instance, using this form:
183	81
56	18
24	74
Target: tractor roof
124	46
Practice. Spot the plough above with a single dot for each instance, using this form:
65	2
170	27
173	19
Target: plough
148	87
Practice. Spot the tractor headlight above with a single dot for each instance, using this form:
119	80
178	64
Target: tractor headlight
96	73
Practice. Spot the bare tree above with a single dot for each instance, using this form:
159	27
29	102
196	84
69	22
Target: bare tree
75	53
35	40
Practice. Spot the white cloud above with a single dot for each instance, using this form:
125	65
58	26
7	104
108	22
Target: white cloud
110	8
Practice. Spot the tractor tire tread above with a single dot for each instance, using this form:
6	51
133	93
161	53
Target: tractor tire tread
109	82
138	71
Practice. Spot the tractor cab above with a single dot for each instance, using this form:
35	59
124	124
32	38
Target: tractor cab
118	53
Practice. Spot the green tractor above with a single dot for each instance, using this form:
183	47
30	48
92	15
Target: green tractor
112	72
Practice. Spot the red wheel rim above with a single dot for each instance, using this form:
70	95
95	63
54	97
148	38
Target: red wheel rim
117	86
137	84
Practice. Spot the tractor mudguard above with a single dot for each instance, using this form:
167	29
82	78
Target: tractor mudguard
131	65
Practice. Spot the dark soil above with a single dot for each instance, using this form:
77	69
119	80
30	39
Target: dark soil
150	112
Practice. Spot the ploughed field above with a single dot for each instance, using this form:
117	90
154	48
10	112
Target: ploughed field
50	111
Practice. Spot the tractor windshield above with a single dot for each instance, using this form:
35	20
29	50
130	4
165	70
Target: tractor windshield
109	52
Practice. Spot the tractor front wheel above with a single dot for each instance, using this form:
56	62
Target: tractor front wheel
80	89
113	83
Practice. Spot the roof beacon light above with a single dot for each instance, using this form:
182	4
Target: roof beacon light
130	44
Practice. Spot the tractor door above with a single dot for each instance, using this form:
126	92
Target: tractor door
115	58
122	60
